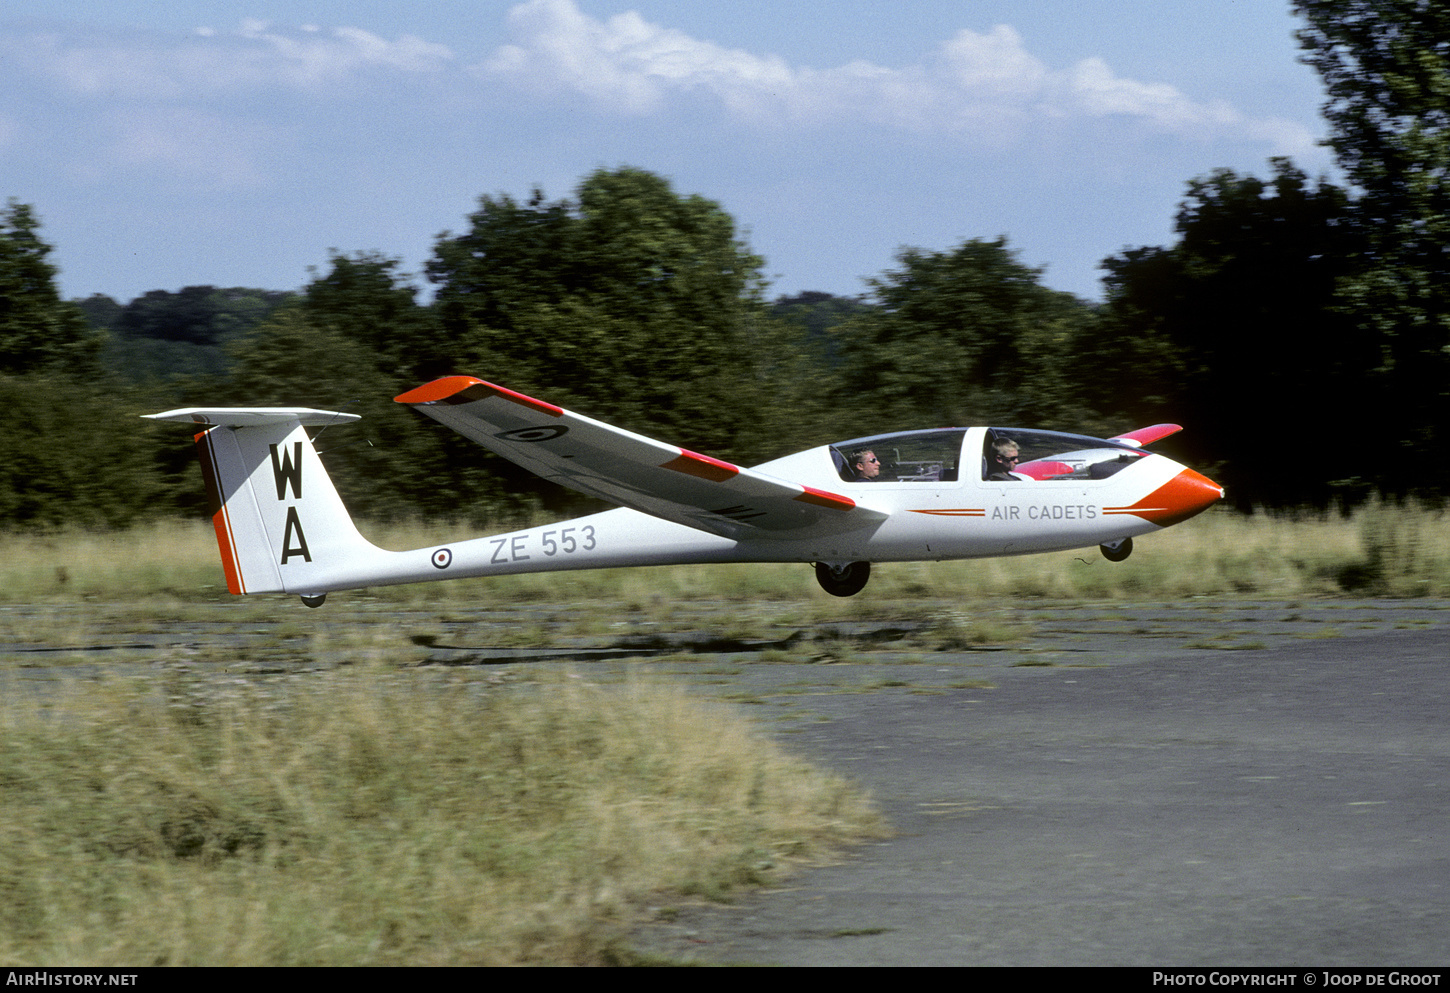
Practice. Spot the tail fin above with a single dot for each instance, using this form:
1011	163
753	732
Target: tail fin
280	524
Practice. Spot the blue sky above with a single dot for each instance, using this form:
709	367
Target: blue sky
193	142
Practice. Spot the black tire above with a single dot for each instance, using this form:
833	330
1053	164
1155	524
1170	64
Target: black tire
847	580
1124	549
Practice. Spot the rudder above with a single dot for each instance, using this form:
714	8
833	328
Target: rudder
280	525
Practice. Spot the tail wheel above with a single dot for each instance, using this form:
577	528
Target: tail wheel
1118	550
843	580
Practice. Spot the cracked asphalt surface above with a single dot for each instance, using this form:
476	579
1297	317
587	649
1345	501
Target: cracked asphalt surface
1117	798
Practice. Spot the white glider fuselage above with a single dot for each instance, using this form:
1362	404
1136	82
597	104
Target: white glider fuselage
963	519
282	527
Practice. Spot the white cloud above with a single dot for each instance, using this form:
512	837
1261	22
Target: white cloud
195	107
339	53
626	62
993	64
208	62
987	88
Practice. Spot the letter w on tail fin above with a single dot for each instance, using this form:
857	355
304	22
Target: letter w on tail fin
280	524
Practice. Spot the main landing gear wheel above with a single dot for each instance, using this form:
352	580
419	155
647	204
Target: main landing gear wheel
1118	550
843	580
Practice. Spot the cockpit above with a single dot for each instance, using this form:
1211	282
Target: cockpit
1002	455
904	457
1011	454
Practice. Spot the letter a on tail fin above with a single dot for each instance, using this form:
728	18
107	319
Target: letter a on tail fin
280	524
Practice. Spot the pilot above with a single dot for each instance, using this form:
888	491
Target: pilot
865	465
1003	458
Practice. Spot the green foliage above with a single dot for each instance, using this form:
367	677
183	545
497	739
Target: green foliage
392	464
1386	66
1236	331
199	315
163	336
38	330
816	316
365	298
631	303
72	456
954	337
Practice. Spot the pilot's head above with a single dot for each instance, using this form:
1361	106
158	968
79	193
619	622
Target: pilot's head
1004	455
866	464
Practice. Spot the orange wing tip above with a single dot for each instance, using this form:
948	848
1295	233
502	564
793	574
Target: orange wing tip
701	466
439	389
820	498
467	389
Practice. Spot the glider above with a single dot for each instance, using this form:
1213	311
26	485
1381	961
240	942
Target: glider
907	496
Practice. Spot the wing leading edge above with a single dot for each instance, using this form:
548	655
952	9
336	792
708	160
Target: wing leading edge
628	469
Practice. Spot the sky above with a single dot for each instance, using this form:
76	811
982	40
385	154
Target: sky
196	142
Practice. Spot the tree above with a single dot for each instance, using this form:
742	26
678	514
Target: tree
1386	66
37	328
102	311
163	335
196	315
388	465
1243	317
630	302
365	298
963	336
817	314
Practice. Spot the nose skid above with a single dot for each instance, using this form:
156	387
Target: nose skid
1183	496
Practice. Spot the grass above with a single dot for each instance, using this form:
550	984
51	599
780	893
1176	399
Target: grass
366	816
1384	550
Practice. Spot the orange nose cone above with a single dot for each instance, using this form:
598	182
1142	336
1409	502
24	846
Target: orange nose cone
1183	496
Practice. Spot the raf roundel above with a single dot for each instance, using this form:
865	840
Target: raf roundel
544	433
442	558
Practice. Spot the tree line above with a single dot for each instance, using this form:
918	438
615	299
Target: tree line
1300	331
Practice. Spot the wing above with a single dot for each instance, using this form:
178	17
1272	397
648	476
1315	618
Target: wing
634	471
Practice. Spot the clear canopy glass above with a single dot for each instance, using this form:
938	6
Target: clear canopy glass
937	456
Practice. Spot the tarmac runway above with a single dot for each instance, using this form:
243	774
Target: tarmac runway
1203	784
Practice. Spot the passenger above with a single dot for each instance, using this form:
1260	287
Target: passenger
865	466
1004	455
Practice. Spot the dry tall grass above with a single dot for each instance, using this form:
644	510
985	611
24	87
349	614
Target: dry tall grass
375	817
